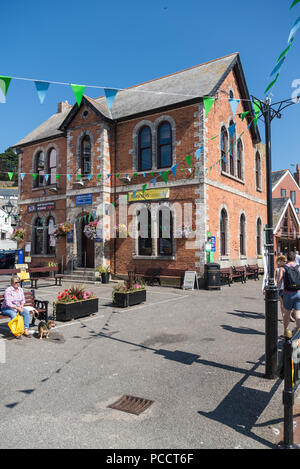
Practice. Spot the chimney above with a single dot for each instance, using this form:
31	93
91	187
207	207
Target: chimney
63	106
297	175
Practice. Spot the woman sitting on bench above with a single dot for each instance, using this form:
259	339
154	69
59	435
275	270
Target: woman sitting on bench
13	303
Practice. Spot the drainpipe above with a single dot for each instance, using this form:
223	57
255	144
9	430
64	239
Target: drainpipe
115	192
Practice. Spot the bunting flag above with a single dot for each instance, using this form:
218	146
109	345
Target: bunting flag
244	114
22	175
2	97
271	84
188	160
135	175
284	53
234	105
4	84
278	66
154	182
174	169
57	177
118	175
46	176
89	218
79	177
89	177
231	130
99	177
69	177
208	102
144	188
134	193
294	3
294	29
108	176
34	176
10	175
78	91
199	151
165	176
110	95
42	88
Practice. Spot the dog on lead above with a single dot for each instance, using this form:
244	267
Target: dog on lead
44	328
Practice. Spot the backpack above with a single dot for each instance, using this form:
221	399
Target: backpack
292	278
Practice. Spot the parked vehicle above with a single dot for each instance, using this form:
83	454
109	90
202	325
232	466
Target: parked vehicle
7	259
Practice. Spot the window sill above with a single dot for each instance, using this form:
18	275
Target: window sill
42	255
258	189
159	258
231	176
224	258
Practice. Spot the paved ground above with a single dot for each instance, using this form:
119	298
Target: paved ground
198	355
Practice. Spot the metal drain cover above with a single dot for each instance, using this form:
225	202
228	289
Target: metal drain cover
131	404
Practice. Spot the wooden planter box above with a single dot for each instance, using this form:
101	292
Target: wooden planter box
79	309
129	299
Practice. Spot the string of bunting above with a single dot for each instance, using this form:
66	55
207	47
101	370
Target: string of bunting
282	57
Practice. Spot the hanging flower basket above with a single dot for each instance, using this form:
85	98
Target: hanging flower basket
62	230
121	231
18	234
90	230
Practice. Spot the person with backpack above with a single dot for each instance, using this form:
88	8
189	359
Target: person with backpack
291	292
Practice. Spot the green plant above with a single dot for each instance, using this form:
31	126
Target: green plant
73	294
103	269
127	288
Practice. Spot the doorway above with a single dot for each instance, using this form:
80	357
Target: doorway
86	246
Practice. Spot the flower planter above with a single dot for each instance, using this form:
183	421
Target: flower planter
76	310
129	299
105	277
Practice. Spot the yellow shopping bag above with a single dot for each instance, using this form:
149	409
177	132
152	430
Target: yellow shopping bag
16	325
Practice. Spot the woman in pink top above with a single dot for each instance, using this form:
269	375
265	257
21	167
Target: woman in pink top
13	303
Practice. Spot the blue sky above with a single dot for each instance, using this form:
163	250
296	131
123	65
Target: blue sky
125	42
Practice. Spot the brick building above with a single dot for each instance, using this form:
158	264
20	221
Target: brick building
286	205
201	170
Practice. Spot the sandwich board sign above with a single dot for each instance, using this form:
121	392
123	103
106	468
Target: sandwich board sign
190	277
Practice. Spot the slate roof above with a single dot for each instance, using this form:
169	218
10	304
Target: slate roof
278	207
277	175
180	87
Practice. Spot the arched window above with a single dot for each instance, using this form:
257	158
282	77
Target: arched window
257	170
223	232
164	141
224	147
231	148
52	166
38	236
242	235
239	158
50	246
258	236
85	155
165	232
145	149
39	169
144	232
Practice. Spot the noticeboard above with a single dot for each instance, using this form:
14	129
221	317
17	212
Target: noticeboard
24	274
190	277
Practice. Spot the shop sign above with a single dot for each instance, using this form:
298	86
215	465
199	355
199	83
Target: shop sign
84	199
149	194
41	207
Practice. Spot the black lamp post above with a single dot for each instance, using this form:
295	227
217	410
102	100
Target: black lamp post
268	113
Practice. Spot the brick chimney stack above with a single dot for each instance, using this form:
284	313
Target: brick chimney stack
297	175
63	106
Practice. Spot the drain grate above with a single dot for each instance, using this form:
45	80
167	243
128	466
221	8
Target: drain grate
131	404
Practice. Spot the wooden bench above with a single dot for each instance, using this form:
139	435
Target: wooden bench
253	270
173	273
230	273
149	275
30	300
8	272
35	277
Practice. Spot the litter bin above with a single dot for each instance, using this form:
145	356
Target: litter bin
212	276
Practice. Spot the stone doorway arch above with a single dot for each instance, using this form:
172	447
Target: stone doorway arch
85	245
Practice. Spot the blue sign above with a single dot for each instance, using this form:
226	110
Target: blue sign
84	199
213	243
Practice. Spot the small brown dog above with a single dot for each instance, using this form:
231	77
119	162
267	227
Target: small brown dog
44	328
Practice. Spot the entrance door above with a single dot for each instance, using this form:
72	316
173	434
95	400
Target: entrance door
88	248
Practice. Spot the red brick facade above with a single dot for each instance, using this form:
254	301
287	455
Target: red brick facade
204	189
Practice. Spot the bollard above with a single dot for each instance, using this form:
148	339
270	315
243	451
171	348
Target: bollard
288	398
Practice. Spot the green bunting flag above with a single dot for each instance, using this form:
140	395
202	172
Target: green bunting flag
90	216
244	114
285	50
294	3
118	175
99	176
272	84
79	177
34	176
165	176
4	84
57	177
135	175
188	160
10	175
78	92
144	188
208	102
